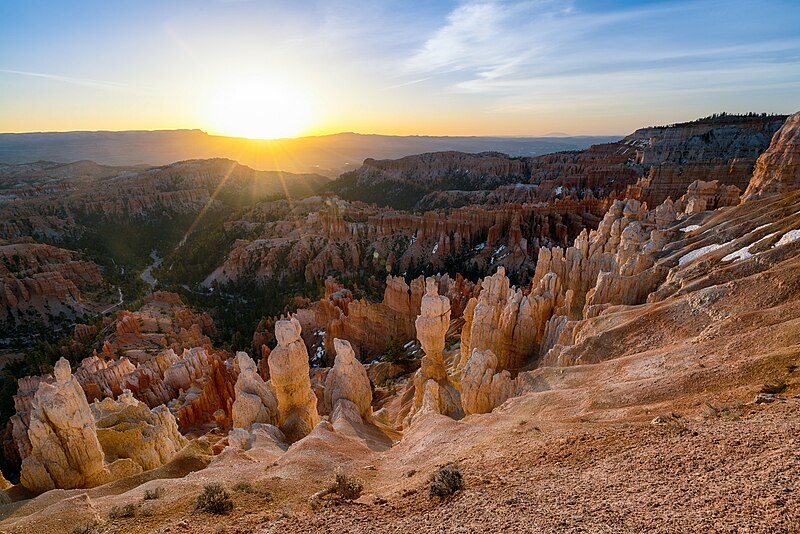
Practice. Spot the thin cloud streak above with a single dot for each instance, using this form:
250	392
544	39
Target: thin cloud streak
67	79
406	84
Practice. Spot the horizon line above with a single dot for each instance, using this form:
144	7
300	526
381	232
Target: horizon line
549	135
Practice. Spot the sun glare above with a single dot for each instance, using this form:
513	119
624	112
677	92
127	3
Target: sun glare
259	110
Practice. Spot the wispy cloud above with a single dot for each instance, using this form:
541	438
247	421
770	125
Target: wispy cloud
406	84
66	79
526	51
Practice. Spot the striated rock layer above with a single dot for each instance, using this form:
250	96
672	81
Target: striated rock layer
778	169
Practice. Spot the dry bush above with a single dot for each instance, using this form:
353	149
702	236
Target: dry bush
446	481
347	487
153	494
91	528
120	512
214	499
244	487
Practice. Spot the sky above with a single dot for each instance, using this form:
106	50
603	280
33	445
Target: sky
274	68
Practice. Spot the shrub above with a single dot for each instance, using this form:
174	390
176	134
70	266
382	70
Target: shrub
347	487
153	494
446	481
90	528
244	487
394	350
119	512
214	499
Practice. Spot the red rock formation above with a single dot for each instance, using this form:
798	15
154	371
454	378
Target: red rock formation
333	239
162	322
718	148
778	169
43	282
701	196
102	378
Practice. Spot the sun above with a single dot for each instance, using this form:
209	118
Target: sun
259	109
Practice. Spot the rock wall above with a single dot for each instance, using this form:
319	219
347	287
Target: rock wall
128	428
507	321
42	282
482	387
717	148
778	169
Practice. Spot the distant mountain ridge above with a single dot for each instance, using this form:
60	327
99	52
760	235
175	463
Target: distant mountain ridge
328	154
650	164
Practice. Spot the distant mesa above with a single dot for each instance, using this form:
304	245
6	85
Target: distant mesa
325	154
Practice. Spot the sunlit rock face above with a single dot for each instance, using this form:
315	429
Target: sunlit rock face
347	387
289	374
778	169
101	377
72	444
506	320
65	451
482	388
127	428
255	401
433	389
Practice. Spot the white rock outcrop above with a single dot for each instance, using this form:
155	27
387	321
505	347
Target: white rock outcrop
127	428
255	401
482	388
347	387
289	375
65	451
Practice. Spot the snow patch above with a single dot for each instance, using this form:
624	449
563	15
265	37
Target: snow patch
789	237
691	228
741	254
744	252
686	258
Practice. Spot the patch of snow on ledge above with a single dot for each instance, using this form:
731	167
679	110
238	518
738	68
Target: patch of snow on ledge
691	228
789	237
741	254
744	252
686	258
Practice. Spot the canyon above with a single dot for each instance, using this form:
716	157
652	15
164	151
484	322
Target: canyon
608	337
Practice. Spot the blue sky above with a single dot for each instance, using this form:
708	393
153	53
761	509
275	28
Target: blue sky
472	67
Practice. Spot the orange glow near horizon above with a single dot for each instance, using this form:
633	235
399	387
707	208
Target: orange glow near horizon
258	109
